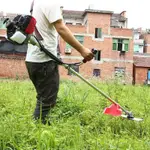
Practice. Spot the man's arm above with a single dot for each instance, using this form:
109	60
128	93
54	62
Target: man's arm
67	35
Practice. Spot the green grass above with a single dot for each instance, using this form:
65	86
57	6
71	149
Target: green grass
77	122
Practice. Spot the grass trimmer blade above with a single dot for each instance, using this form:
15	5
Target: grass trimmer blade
115	110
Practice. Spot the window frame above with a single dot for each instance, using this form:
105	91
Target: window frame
119	72
120	44
98	33
97	56
95	73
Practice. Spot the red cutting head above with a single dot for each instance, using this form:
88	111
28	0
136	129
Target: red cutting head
113	110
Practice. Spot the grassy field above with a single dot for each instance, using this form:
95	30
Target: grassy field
77	122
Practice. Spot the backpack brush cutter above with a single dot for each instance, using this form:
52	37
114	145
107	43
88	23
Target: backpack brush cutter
20	31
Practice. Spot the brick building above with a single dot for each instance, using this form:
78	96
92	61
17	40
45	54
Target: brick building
107	32
141	68
103	30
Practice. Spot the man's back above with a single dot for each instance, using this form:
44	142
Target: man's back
45	13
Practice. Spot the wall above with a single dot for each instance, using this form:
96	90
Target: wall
147	43
109	58
98	21
2	32
140	75
122	32
12	66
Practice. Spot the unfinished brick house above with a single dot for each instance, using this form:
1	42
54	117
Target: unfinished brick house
108	34
103	30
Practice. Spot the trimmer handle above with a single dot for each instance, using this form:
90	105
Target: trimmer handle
94	51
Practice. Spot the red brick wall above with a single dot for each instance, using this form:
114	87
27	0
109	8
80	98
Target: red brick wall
15	68
2	32
121	32
77	29
98	21
147	41
107	70
12	66
147	49
147	38
140	75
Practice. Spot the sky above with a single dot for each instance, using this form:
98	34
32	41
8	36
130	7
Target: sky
137	11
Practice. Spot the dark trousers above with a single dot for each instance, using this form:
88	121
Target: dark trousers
45	77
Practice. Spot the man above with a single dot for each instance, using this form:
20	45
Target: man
43	71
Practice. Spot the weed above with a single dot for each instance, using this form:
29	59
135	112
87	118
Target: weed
77	121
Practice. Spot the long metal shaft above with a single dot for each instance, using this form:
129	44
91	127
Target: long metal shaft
93	86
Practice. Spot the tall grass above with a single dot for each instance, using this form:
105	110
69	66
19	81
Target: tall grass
77	122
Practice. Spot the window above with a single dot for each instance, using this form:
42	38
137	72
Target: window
79	24
2	25
119	72
120	44
136	48
69	23
74	67
96	72
98	33
97	56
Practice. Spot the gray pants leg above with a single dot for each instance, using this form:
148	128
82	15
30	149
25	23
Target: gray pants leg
45	77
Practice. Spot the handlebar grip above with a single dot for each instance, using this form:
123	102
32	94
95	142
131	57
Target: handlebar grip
84	61
94	51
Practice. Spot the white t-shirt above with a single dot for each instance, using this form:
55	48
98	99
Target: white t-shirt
46	13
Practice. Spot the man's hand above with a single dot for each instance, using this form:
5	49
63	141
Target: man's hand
87	54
